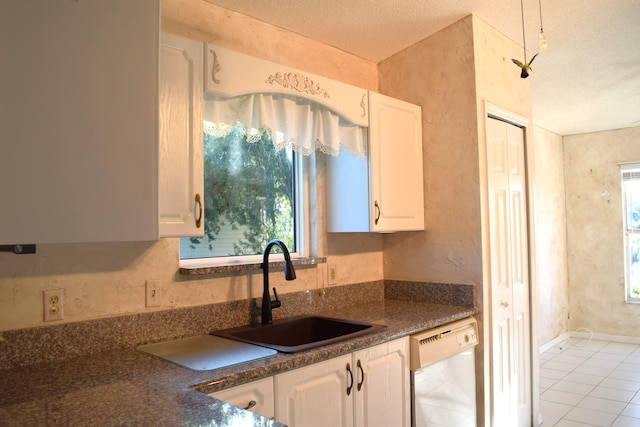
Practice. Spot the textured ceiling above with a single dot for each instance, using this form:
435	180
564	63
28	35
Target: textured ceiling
587	80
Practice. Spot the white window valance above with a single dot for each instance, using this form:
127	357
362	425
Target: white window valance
295	122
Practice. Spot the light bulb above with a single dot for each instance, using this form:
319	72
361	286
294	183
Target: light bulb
542	41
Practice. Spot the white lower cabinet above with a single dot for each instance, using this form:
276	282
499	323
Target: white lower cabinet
256	396
370	387
384	395
317	395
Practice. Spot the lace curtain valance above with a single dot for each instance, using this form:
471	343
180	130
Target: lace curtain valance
295	122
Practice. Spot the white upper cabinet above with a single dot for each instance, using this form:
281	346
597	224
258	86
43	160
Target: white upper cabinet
232	73
79	121
181	146
396	179
383	192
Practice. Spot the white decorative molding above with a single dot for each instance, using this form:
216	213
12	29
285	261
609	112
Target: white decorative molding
298	82
231	73
215	67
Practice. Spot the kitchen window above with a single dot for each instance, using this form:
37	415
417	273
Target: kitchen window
251	196
631	223
258	151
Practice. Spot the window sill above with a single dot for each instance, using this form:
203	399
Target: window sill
247	267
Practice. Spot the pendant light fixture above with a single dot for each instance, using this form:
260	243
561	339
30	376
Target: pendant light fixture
542	39
526	66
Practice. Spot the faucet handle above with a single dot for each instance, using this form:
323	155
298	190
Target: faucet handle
276	302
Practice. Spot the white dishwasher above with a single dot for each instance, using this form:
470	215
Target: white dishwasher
443	380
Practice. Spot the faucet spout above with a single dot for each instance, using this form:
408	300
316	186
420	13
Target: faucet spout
289	274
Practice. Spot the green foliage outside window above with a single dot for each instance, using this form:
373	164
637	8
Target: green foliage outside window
249	195
631	190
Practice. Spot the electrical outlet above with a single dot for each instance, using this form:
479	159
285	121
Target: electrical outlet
52	304
332	278
152	288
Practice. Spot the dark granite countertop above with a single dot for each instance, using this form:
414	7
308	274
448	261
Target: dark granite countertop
126	387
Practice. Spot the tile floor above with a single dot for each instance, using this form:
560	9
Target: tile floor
590	383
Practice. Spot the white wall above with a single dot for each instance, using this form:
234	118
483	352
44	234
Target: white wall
594	231
551	234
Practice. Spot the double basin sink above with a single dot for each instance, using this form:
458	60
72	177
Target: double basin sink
299	333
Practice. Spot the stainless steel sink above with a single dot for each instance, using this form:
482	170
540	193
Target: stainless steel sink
299	333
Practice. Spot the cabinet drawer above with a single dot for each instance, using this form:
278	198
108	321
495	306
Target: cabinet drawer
256	396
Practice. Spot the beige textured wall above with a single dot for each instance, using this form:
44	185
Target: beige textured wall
594	227
551	234
438	74
199	20
107	279
451	75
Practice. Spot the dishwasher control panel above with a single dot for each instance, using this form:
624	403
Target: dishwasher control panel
467	338
436	344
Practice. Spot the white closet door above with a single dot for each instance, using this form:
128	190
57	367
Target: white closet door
511	366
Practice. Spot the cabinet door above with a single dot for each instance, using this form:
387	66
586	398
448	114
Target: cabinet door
383	396
316	395
256	396
79	121
384	191
396	178
181	146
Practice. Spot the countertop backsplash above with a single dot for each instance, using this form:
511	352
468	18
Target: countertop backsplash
52	343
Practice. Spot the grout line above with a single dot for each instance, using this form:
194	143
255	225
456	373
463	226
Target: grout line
594	352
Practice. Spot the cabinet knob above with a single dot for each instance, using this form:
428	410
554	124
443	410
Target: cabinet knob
199	205
251	404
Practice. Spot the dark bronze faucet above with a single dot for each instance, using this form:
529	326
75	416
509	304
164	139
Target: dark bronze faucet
289	274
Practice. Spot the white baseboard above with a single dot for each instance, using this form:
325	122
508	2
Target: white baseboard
557	340
605	337
583	334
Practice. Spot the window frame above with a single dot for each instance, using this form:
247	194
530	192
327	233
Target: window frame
301	224
633	168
